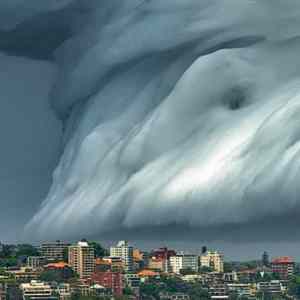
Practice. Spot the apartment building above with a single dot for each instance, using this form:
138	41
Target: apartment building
54	251
82	259
283	266
37	290
214	260
125	252
182	262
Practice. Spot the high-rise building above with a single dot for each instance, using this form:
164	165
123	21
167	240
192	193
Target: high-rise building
82	259
283	266
184	262
125	252
54	251
265	259
214	260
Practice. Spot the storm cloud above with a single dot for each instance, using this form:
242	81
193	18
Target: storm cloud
175	114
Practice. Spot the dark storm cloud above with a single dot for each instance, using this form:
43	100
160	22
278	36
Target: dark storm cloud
175	112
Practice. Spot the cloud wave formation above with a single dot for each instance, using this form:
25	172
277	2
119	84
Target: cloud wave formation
175	112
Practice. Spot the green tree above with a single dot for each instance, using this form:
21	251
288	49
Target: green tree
197	291
205	269
51	275
228	267
294	286
99	250
26	250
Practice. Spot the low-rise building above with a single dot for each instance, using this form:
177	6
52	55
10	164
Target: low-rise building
192	278
144	275
174	296
36	262
97	290
37	290
230	277
110	280
219	291
63	290
25	274
273	287
242	289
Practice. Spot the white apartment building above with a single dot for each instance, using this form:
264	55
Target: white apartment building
82	259
214	260
125	252
36	290
183	261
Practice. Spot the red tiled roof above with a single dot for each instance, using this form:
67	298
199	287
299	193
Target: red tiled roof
59	265
283	260
147	273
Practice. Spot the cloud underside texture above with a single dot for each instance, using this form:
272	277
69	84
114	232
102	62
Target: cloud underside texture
176	114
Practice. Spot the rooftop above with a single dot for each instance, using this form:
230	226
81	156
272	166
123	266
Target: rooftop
283	260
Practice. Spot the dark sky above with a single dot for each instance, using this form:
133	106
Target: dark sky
152	113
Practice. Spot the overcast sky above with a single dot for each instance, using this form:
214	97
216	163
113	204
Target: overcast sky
145	118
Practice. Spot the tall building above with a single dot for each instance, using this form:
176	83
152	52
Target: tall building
54	251
265	259
283	266
125	252
82	259
184	262
214	260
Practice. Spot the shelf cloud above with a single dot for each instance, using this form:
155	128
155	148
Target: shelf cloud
175	114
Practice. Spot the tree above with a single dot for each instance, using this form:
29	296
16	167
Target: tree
197	291
26	250
228	267
51	275
99	250
294	286
205	269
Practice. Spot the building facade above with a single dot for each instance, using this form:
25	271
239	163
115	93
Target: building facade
125	252
214	260
36	262
183	262
82	259
283	266
3	291
110	280
54	251
37	290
